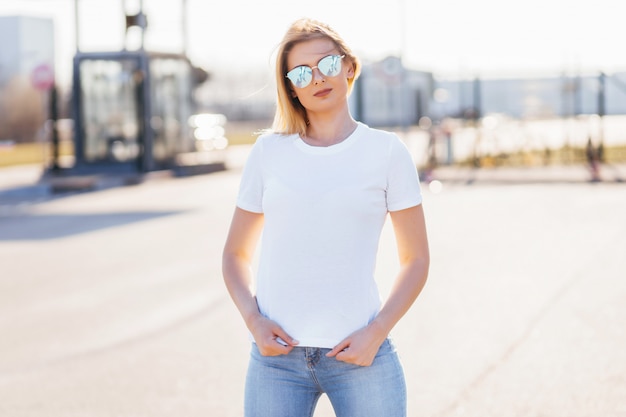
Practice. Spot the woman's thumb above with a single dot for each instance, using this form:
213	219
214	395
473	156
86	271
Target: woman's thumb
278	331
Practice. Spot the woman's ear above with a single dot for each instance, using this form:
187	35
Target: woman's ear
350	71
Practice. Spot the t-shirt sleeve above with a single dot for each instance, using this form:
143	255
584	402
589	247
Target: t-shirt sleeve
250	197
403	186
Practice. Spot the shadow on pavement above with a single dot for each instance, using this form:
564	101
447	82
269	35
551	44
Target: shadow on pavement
53	226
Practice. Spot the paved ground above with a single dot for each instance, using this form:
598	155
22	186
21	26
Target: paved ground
112	304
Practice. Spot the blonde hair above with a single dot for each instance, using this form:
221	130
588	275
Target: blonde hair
290	116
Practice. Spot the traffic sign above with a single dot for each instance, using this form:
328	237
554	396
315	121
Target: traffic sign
43	77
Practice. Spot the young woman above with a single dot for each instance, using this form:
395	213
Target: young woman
319	188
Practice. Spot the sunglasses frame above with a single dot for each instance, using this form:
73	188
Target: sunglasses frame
303	68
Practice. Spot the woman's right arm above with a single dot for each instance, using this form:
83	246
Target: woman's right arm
237	258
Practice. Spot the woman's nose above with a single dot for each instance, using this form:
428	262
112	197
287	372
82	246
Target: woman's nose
318	76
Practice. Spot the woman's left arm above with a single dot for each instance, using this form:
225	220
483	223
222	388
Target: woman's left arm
410	230
409	227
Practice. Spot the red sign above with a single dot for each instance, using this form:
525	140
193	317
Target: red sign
43	77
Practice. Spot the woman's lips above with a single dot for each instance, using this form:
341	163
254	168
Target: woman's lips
323	92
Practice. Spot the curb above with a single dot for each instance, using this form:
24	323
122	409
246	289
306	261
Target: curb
527	175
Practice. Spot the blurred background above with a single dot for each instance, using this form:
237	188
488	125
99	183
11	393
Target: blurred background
487	83
111	112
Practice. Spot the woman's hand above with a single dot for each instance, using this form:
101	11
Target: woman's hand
361	347
270	338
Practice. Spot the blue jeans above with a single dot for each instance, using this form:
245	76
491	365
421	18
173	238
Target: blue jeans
290	385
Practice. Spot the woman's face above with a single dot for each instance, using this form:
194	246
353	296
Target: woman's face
323	93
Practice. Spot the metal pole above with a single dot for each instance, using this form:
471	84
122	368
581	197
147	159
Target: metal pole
601	98
76	26
601	111
476	114
184	27
477	99
54	116
565	111
125	43
143	29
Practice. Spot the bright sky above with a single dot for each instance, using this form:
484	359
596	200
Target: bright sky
449	37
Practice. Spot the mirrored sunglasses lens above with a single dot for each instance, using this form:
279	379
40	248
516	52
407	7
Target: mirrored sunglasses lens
300	76
330	66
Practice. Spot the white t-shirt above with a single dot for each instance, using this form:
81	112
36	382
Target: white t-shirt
324	210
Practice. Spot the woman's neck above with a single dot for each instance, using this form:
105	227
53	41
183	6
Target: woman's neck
327	130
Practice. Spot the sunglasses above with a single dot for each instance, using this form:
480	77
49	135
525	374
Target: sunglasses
302	75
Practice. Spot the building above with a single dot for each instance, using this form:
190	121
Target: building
388	94
26	71
520	98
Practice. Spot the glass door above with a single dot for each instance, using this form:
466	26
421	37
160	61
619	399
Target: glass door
171	108
111	111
